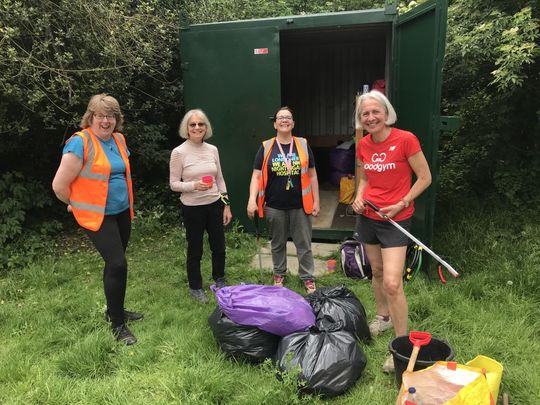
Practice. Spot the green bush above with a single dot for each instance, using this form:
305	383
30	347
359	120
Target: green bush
18	196
491	81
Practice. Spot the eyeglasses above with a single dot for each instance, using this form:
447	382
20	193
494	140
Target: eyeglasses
101	117
197	124
284	118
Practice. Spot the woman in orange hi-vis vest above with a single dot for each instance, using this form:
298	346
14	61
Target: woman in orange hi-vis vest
284	188
94	180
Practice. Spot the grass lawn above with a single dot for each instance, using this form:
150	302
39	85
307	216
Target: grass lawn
57	349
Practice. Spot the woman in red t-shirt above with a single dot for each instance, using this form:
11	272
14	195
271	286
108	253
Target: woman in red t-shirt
387	157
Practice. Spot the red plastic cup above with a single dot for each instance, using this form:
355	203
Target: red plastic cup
331	265
208	180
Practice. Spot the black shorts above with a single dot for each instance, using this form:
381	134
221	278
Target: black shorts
373	232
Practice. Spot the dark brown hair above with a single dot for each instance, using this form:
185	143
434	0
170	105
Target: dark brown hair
284	108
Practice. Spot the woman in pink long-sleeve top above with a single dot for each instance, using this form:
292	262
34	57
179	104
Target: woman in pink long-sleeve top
205	204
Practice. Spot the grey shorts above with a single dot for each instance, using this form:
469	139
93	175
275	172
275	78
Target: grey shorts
373	232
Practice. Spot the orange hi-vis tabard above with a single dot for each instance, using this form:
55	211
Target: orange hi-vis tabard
89	190
307	194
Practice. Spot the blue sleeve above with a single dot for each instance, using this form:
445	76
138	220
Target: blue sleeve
75	145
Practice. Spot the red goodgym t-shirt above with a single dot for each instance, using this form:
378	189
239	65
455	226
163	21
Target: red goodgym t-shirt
387	169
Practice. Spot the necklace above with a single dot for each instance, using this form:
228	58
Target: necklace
108	143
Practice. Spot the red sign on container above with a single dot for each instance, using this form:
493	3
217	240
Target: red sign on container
260	51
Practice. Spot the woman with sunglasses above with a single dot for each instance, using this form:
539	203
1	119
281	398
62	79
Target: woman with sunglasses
195	172
94	180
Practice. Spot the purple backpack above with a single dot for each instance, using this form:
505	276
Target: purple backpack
277	310
354	262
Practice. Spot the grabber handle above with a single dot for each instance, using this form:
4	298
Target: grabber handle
376	209
373	206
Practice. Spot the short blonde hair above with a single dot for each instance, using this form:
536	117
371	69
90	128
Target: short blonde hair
381	99
183	128
103	102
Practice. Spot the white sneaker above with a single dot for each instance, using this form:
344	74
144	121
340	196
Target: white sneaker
388	366
379	325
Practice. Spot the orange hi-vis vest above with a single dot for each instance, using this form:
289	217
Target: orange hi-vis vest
305	181
89	190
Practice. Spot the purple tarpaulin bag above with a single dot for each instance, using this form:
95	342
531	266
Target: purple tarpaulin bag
277	310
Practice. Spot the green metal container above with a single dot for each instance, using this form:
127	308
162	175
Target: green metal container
241	72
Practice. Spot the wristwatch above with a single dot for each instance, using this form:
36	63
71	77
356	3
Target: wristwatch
405	202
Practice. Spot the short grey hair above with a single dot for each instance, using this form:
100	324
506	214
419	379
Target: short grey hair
183	128
381	99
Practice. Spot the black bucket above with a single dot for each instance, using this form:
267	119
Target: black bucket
401	349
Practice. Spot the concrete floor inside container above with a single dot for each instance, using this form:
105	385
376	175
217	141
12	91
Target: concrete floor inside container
333	215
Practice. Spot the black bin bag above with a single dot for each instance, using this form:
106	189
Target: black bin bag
245	343
329	359
340	304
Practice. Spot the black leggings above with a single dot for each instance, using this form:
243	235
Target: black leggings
111	241
197	218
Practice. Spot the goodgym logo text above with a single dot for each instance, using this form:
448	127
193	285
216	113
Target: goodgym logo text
378	164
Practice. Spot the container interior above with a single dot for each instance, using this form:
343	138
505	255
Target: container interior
322	72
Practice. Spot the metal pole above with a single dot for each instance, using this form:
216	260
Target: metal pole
413	238
258	236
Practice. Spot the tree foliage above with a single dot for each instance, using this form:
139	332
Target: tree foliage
491	81
55	54
205	11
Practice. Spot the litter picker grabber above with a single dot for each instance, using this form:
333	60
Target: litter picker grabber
414	239
258	237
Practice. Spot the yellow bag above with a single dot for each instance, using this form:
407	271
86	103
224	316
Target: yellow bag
447	383
494	371
346	190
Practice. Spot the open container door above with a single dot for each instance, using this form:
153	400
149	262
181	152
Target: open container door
223	66
419	45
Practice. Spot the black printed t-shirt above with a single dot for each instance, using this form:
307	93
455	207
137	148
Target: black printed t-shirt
276	195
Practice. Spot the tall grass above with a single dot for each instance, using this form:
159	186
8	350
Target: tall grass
57	349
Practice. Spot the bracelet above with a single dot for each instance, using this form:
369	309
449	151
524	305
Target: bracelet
405	202
225	199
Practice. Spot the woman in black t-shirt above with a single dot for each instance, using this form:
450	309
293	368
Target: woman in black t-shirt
284	189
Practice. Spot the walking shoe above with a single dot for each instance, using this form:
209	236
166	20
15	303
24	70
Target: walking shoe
123	334
128	316
200	296
220	283
278	280
310	286
388	366
379	325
